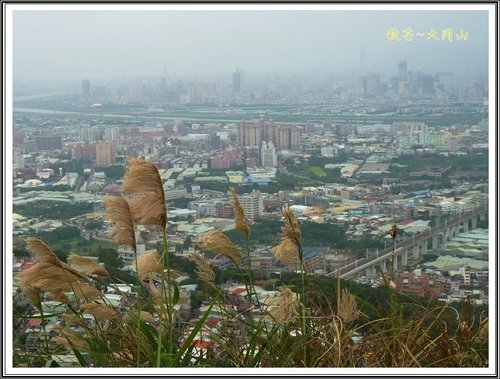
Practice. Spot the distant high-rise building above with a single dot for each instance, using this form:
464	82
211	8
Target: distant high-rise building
283	136
18	138
452	143
163	86
105	154
99	92
252	204
199	92
86	89
409	127
215	141
86	133
18	161
402	71
294	143
268	156
343	130
112	134
220	161
372	85
328	151
48	142
85	152
239	81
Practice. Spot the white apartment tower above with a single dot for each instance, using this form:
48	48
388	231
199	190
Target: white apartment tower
252	204
86	133
268	157
112	134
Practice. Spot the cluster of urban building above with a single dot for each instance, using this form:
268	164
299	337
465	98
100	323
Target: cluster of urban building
193	158
78	160
281	89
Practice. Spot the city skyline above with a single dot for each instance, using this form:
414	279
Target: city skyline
134	43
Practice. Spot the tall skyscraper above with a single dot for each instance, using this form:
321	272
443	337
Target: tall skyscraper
239	81
86	89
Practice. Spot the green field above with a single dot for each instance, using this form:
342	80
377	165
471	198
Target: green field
316	170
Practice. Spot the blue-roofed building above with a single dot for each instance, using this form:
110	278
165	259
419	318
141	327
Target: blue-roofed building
420	193
251	180
314	257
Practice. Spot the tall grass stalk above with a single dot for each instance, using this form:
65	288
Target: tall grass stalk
170	326
139	307
304	304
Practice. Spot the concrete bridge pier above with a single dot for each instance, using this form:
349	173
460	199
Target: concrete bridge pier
416	251
445	235
450	233
474	222
424	248
371	272
466	226
395	258
404	258
435	242
417	246
383	266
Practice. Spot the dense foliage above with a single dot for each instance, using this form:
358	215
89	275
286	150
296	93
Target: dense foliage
52	210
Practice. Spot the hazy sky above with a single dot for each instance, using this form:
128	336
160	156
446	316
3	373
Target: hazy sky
87	44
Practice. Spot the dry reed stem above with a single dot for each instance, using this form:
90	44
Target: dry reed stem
85	291
56	280
240	219
149	263
118	211
217	242
291	230
286	252
87	266
394	232
146	316
348	307
143	184
161	307
68	336
100	312
58	296
204	271
42	252
71	319
484	332
34	295
283	308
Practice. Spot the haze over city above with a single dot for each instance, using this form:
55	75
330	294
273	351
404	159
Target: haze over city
97	44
